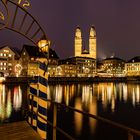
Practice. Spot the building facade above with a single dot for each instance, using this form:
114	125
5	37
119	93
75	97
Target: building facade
8	61
112	67
66	70
79	66
132	67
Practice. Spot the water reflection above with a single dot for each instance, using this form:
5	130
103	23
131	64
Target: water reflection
10	100
107	93
88	97
17	99
78	117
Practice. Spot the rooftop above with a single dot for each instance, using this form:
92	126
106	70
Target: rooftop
134	59
35	52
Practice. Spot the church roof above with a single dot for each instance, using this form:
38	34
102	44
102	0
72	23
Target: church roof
134	59
114	58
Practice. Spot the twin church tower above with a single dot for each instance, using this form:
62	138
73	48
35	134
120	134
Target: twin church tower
78	44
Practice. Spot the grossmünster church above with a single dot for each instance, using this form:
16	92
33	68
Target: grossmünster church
78	44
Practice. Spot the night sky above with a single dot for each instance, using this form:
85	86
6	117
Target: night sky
117	24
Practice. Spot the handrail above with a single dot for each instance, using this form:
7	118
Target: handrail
130	131
55	127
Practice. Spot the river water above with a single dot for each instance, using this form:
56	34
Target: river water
119	102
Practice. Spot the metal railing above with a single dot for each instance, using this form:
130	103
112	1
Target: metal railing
130	131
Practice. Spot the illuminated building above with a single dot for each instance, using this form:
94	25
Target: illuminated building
92	43
53	63
78	44
112	67
132	67
29	60
8	59
66	70
83	66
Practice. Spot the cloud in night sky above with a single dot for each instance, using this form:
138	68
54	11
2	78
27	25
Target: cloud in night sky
117	23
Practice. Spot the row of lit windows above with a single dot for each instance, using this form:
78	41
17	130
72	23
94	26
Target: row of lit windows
108	67
4	54
136	64
4	68
110	64
115	69
72	71
4	64
133	68
67	67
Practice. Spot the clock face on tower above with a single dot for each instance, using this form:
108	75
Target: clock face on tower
3	14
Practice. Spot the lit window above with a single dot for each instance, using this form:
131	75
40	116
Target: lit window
4	68
10	64
10	55
1	54
1	63
10	69
24	53
4	64
4	54
1	68
6	50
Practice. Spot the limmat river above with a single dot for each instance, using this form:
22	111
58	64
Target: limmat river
13	98
119	102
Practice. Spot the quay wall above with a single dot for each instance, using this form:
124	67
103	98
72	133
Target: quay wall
73	79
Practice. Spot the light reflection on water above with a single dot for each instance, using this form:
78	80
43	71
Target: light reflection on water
97	99
108	93
10	100
93	97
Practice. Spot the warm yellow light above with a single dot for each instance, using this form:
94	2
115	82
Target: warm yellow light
44	45
2	16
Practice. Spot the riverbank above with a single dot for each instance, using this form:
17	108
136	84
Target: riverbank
86	79
74	79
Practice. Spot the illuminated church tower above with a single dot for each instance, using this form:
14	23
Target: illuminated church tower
78	50
92	42
78	42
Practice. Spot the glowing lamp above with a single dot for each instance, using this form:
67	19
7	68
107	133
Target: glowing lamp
44	45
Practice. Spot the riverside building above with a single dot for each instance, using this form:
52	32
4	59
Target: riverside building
8	61
132	67
112	67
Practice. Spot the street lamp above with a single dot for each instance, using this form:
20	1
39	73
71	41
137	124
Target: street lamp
44	45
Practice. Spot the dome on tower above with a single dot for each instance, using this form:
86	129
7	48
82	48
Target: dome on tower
92	31
78	32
